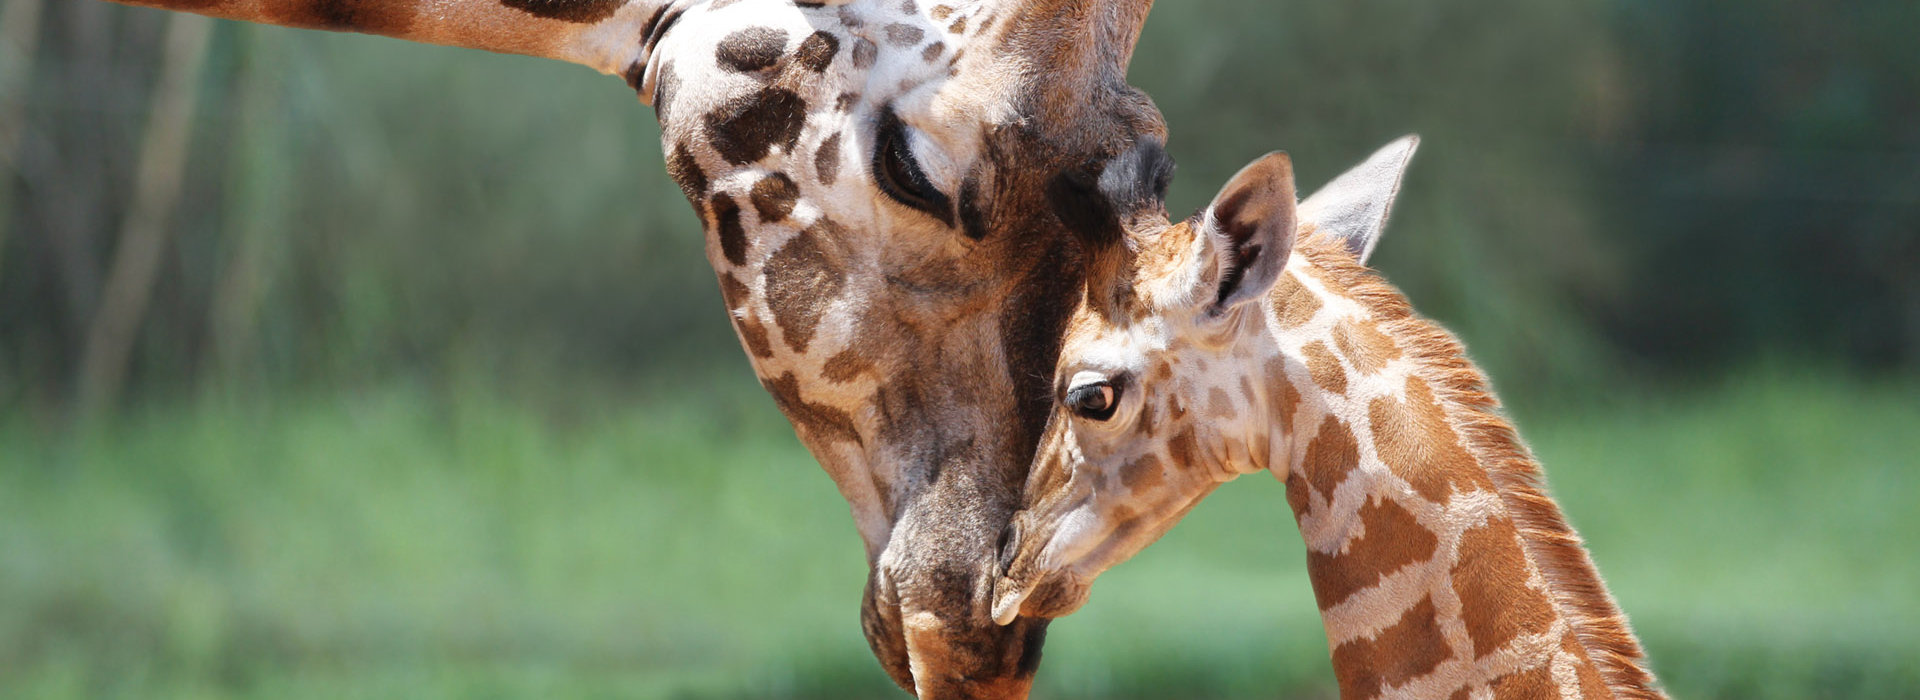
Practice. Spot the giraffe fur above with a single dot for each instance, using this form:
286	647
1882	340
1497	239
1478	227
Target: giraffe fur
1441	567
885	187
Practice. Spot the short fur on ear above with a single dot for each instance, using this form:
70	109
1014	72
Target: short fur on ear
1250	226
1354	207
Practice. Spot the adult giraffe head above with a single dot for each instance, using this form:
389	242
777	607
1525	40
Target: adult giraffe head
891	191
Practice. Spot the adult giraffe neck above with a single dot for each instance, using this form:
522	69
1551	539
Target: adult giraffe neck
1440	565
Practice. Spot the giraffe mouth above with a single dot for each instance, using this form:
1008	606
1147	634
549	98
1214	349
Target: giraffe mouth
1007	599
1054	596
1024	587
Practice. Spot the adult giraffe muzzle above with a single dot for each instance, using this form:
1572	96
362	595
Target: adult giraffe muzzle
893	192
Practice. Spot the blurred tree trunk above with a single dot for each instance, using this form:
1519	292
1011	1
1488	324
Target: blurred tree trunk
257	187
72	181
136	259
19	41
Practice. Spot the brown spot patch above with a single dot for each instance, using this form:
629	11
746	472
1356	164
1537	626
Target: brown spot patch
733	291
1490	577
754	335
1149	417
1532	684
1390	540
774	196
1286	399
577	11
1411	648
865	53
1331	455
826	160
850	19
1296	303
1161	373
686	172
1461	694
751	50
801	281
1297	496
1325	368
1416	442
845	366
1143	473
904	35
1184	450
1365	346
747	128
726	224
940	13
933	51
665	88
822	422
384	18
817	51
1219	405
959	26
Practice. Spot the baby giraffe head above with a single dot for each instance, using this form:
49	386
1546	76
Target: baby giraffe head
1162	390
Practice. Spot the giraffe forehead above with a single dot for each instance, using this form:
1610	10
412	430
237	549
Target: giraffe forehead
1094	345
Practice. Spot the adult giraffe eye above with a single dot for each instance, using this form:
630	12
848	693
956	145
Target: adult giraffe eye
1095	402
899	174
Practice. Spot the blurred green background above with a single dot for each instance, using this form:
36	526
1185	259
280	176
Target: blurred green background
422	388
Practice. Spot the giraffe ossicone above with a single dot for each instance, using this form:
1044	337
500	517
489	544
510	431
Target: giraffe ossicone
1252	338
890	191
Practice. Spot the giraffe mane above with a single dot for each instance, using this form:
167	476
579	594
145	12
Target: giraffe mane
1474	412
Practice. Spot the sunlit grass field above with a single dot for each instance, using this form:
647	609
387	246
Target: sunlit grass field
408	541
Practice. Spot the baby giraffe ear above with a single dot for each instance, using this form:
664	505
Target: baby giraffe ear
1354	207
1250	227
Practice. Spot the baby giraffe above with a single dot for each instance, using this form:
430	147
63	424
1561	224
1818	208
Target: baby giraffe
1252	337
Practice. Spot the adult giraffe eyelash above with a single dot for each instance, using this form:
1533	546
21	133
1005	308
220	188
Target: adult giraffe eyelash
899	175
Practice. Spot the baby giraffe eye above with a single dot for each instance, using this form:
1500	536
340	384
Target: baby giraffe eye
1095	402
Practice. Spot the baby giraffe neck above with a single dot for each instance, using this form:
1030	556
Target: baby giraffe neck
1441	568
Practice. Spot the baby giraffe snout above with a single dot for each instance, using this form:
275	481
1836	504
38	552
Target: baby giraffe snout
1024	587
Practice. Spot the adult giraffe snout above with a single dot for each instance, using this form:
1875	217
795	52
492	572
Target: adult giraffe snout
926	609
1088	151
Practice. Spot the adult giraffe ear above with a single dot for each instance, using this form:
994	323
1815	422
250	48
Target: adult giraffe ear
1354	207
1249	229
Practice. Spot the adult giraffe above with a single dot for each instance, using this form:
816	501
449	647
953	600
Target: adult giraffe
888	189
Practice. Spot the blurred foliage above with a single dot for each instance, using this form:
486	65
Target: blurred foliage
678	543
397	425
1608	188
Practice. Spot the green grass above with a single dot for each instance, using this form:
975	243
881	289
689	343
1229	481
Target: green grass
402	542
